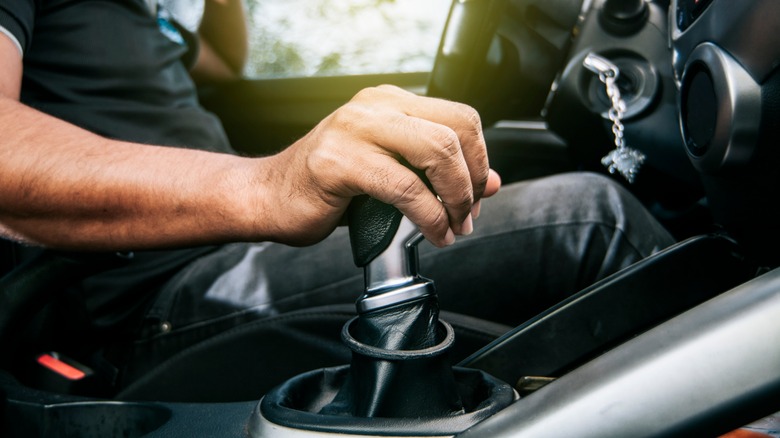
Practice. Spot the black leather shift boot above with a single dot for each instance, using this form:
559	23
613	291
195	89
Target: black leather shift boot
398	384
399	364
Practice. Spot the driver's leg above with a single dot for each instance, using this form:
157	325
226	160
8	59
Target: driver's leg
540	241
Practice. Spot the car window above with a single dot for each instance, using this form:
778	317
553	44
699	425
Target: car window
297	38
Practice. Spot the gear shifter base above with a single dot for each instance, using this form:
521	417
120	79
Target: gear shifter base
398	383
295	407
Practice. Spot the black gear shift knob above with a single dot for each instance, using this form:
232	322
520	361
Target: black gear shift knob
384	244
372	226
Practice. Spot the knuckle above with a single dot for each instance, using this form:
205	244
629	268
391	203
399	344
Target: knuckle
379	93
394	90
431	217
363	94
467	112
469	115
458	197
407	189
462	200
447	144
370	94
472	116
473	128
387	87
438	217
348	118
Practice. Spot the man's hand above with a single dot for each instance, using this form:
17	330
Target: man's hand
359	148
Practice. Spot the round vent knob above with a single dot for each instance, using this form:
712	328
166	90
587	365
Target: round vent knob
623	17
720	110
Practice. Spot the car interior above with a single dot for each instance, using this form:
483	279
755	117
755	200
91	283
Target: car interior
682	343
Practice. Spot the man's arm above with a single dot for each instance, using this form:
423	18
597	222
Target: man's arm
65	187
223	41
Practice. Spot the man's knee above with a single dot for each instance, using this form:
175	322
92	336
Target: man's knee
568	197
578	198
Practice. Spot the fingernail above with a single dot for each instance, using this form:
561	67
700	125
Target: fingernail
449	238
468	226
476	208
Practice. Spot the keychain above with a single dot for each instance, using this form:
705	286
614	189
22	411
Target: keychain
622	159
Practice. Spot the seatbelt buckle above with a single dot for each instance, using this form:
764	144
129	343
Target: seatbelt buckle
57	372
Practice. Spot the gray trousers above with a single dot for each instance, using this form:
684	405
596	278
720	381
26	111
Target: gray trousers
535	243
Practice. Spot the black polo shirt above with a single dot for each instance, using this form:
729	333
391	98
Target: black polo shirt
105	65
112	67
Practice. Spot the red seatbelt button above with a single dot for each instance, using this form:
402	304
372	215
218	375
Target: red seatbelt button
65	368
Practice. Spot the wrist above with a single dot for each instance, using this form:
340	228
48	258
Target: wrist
250	201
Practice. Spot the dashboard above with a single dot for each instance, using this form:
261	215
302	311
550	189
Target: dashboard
633	35
701	84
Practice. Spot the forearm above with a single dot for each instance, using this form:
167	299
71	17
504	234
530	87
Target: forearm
65	187
224	31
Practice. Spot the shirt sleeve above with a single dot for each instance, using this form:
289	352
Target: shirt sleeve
16	22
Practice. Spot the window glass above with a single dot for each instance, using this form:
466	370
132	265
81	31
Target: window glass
294	38
337	37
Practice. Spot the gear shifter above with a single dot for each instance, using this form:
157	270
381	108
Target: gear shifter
399	366
399	381
384	244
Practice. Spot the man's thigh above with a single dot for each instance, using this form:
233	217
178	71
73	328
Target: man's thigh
539	241
535	243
